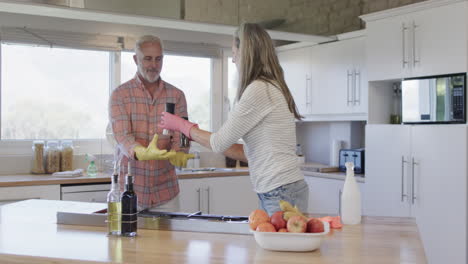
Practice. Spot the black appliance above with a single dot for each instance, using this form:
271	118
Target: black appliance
436	99
356	156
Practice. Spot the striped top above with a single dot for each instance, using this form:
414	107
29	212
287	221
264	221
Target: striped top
262	119
134	115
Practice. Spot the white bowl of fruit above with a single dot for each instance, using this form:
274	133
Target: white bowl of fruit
285	231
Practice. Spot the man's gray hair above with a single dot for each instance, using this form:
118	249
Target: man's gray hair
146	39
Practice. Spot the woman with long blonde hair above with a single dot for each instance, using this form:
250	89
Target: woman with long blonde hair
264	117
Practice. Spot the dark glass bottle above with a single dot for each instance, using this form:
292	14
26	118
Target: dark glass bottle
129	207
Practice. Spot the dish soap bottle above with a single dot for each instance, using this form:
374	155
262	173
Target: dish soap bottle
129	207
350	198
91	170
114	206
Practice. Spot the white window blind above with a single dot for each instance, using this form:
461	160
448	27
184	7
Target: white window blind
52	38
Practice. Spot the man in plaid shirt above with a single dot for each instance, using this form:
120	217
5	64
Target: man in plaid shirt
135	109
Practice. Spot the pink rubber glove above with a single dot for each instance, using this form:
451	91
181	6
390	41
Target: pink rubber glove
173	122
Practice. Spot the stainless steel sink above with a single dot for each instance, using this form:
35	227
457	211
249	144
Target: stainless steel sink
212	169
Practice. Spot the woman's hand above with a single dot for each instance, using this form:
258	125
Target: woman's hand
173	122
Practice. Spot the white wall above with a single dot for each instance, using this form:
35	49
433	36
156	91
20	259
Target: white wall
316	138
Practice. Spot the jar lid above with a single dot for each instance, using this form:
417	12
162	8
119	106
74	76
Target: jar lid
52	143
67	143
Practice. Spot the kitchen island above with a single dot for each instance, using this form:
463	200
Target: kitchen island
29	234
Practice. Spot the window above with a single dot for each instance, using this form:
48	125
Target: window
53	93
232	82
190	74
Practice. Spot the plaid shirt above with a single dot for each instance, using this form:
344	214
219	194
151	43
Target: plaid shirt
134	115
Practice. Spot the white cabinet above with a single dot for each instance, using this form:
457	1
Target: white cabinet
19	193
230	195
338	78
388	171
418	40
325	195
95	193
296	67
421	171
440	197
328	81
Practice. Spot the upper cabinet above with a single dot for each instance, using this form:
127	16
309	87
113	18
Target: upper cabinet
296	67
423	39
328	81
338	78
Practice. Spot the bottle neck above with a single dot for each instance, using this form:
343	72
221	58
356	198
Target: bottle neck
115	182
129	187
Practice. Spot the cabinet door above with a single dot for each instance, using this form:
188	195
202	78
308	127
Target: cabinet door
387	48
439	40
230	196
190	195
19	193
324	195
440	152
332	78
360	93
296	67
387	188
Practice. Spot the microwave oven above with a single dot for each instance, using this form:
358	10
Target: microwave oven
437	99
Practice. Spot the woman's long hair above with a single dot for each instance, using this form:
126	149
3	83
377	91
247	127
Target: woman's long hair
258	61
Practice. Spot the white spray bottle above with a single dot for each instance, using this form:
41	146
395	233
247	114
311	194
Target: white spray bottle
350	198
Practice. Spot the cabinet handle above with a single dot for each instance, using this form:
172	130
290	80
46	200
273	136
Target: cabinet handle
307	91
413	196
199	198
414	44
403	29
208	198
347	87
403	195
357	87
339	202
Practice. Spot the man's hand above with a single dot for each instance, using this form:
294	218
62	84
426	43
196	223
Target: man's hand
180	159
152	152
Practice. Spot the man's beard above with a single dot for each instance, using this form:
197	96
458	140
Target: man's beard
146	76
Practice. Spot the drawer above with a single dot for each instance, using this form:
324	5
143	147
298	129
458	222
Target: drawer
92	196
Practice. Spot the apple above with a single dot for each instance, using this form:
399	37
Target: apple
297	224
266	227
257	217
282	230
277	220
314	225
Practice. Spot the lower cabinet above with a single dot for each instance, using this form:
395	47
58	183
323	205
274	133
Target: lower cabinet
95	193
19	193
228	195
420	171
325	195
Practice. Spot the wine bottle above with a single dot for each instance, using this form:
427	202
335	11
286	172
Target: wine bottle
114	206
129	207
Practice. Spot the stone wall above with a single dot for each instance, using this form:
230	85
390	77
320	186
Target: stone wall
321	17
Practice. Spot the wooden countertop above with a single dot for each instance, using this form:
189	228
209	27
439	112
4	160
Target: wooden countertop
48	179
28	234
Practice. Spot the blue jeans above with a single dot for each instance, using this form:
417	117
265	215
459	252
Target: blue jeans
296	193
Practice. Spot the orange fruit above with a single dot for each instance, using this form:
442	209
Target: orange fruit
257	217
266	227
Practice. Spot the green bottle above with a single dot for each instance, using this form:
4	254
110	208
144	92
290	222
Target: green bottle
92	170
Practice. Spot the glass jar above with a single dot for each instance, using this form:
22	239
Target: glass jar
52	156
37	165
66	159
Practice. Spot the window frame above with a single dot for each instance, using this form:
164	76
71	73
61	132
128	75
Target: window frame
10	147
